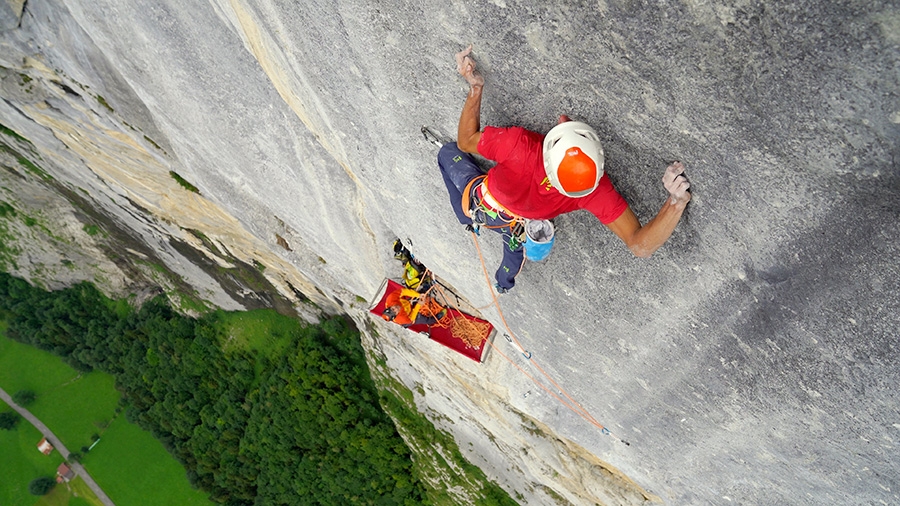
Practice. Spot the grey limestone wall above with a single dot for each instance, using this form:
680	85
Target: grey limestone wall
752	360
10	13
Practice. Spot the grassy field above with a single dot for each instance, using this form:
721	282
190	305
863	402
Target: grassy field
130	465
21	462
263	330
134	468
74	406
78	409
23	367
74	493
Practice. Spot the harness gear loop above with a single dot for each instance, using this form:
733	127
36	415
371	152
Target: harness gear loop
476	196
467	195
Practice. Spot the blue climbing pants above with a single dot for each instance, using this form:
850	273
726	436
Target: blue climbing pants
458	169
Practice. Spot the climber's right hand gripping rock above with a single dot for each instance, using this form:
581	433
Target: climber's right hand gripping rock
676	184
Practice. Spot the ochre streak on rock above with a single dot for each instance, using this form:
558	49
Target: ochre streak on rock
582	468
273	63
121	162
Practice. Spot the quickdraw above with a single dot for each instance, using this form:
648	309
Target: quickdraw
474	199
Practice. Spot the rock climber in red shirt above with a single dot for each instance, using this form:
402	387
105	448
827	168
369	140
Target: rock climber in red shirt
539	177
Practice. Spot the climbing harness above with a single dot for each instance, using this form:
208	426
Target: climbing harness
536	235
477	202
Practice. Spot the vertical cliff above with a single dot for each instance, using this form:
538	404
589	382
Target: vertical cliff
751	360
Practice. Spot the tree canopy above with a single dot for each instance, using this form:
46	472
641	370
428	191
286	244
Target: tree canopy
41	486
24	397
301	426
8	420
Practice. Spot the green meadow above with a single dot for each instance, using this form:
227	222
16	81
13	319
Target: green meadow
21	462
262	330
128	463
132	467
74	493
74	406
265	408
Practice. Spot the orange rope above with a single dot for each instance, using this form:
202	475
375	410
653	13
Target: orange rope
470	332
573	405
523	371
482	308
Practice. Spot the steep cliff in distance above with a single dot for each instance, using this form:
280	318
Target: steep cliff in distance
752	360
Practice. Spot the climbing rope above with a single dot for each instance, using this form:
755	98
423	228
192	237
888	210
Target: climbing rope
568	402
470	332
473	333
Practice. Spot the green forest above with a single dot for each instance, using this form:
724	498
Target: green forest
296	423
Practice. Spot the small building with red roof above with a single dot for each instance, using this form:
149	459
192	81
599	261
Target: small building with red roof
45	447
64	473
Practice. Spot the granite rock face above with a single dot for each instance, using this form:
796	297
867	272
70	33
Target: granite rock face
752	360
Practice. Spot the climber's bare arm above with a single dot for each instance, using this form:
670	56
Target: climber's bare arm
469	131
644	240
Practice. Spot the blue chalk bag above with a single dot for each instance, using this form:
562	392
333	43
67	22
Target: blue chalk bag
539	238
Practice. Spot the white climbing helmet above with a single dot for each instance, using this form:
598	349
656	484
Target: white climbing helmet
573	158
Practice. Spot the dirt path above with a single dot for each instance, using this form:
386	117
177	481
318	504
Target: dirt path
78	468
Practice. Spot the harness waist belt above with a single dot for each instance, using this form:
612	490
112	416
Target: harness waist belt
487	200
477	194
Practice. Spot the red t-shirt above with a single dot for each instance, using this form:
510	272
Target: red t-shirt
520	184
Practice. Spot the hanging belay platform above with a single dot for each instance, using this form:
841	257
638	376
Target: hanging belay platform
421	304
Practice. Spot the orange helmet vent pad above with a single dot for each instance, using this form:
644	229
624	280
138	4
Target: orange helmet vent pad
577	172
